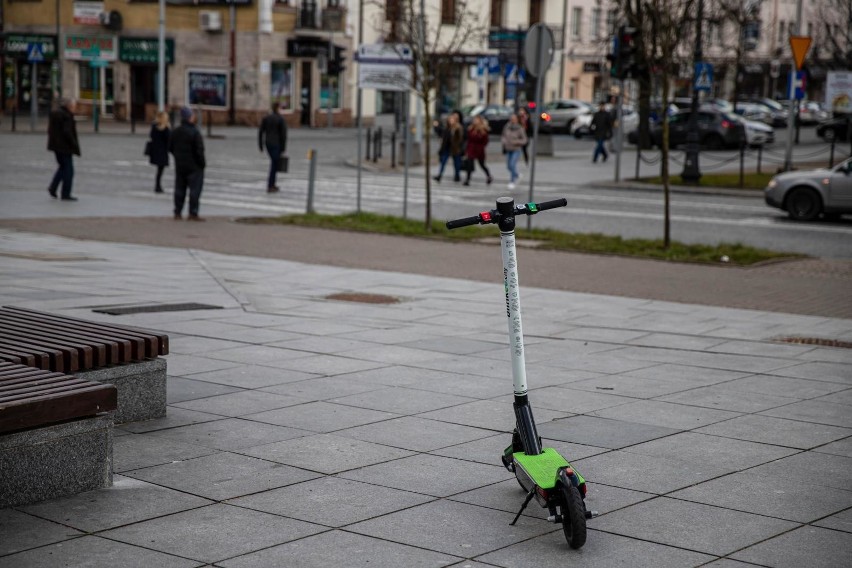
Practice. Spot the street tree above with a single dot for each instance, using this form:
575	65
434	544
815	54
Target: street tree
743	19
435	40
633	13
833	32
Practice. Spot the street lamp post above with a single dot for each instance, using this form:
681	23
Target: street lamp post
691	172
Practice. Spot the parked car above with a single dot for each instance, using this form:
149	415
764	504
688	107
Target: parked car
810	112
778	111
496	115
583	123
805	195
716	130
754	112
562	113
833	129
757	133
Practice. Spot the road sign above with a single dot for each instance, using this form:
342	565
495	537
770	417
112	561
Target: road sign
796	86
98	63
538	49
703	77
35	53
799	45
386	67
505	39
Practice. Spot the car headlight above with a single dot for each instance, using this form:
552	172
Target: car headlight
772	184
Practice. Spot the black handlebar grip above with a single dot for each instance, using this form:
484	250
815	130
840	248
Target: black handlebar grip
456	223
552	204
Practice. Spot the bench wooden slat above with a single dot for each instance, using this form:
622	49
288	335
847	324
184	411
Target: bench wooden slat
70	354
117	351
37	359
82	350
157	342
31	398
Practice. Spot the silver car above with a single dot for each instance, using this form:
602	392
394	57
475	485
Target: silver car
806	194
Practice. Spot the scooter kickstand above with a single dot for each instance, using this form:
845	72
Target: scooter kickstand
524	506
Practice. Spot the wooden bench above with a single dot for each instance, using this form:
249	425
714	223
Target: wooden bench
124	356
55	434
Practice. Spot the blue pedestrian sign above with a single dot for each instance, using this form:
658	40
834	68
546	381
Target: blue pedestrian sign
703	77
35	52
796	86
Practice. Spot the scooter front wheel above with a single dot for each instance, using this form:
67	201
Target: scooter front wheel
573	516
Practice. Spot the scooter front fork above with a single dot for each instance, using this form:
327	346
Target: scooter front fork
526	426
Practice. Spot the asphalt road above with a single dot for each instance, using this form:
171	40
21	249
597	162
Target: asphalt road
113	166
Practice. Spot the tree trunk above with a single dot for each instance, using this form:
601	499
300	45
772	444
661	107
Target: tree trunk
427	158
664	165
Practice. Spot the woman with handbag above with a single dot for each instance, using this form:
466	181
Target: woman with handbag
477	140
157	147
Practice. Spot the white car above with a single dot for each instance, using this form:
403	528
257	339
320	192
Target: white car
757	133
583	123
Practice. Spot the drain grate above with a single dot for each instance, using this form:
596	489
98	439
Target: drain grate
150	308
363	298
819	341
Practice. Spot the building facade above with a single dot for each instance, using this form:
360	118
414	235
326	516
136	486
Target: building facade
229	58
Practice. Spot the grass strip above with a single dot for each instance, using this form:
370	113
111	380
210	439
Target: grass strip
725	253
728	181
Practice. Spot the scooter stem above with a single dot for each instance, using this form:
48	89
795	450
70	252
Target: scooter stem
523	411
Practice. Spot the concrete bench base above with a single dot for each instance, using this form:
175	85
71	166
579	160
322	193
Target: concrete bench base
141	388
55	461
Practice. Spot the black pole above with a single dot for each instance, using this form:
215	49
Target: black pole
393	149
638	159
14	116
759	157
519	43
691	172
830	155
369	140
742	161
209	124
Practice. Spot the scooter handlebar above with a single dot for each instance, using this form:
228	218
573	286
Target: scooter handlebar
488	217
457	223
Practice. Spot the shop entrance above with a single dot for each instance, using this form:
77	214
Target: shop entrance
305	93
143	90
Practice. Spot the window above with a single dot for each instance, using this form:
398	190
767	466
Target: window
611	18
329	89
781	36
535	11
576	23
448	12
496	13
595	24
282	84
810	29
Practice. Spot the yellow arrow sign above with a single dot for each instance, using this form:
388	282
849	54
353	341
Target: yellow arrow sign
799	46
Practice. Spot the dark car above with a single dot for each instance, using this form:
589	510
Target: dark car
833	129
716	130
496	115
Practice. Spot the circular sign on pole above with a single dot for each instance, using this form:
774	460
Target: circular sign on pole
538	49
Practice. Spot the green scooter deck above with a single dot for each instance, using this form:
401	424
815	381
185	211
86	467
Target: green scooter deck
543	467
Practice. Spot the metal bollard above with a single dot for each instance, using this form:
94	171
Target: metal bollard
209	125
312	171
759	157
830	155
132	123
742	164
638	160
369	142
14	117
378	144
393	149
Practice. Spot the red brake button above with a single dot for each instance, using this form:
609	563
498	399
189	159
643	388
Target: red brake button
485	216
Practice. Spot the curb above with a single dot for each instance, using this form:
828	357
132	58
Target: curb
686	189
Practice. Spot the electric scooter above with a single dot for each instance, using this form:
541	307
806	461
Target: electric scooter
542	472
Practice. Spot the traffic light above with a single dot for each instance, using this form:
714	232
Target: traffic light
627	52
613	59
337	64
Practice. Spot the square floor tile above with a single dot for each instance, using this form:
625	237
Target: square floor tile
321	416
332	501
817	411
818	468
840	522
231	434
489	450
223	475
134	451
602	432
19	531
769	430
180	389
453	528
240	403
704	449
253	376
214	533
335	548
709	529
94	551
326	453
666	414
807	546
416	434
402	401
488	414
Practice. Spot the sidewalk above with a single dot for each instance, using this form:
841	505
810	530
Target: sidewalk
303	431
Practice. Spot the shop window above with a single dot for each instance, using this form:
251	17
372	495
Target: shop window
329	88
282	84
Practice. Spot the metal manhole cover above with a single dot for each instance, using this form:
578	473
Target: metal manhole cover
150	308
819	341
363	298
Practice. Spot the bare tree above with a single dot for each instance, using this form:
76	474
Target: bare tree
833	32
435	40
743	18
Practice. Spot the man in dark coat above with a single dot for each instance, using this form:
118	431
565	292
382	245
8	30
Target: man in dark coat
63	142
187	147
602	130
273	130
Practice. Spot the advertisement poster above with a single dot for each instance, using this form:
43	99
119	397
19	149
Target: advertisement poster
838	92
207	88
88	13
282	84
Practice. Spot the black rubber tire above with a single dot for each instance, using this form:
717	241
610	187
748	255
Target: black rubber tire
714	142
803	204
573	516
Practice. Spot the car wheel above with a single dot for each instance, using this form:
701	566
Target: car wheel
714	142
829	135
569	125
803	204
578	134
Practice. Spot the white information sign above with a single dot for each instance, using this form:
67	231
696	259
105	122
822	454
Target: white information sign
88	13
386	67
838	92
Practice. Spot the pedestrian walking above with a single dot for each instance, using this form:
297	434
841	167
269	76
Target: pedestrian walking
273	133
513	138
452	140
63	142
477	140
187	147
601	128
526	124
158	147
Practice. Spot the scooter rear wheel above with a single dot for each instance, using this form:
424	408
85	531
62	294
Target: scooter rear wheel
573	516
